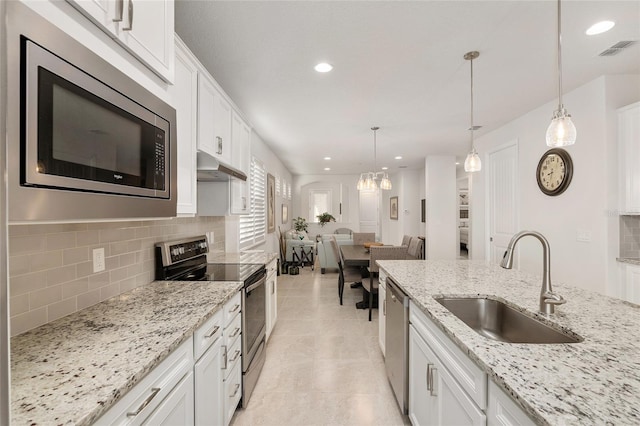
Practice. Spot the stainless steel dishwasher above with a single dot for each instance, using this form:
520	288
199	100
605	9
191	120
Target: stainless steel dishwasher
397	343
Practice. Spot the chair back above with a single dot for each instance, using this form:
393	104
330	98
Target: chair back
343	231
336	252
359	238
385	253
415	248
406	240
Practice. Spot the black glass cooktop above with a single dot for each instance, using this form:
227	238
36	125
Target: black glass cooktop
222	272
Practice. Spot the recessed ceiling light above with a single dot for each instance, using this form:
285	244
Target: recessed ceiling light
398	157
457	163
600	27
327	158
327	168
323	67
385	168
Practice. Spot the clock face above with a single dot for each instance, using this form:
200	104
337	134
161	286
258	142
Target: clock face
555	171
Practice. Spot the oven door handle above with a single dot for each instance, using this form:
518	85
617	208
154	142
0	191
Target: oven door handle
256	285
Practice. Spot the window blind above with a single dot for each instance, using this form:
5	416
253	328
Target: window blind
253	226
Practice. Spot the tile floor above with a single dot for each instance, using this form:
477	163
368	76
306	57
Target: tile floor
324	365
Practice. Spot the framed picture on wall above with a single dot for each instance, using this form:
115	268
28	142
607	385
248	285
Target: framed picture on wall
285	213
271	203
393	208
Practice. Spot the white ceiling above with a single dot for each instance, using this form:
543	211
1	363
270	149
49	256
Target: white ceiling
397	65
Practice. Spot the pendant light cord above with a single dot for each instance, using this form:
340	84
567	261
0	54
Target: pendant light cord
560	105
472	147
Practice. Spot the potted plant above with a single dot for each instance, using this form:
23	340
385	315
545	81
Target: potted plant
300	224
325	218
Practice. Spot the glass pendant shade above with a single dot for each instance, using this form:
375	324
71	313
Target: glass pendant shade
472	163
561	131
367	181
385	183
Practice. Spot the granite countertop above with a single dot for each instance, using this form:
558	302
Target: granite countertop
72	370
596	381
631	260
253	257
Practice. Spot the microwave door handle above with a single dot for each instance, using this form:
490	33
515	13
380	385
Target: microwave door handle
130	27
119	9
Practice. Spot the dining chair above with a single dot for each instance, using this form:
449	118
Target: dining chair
381	253
406	240
346	231
344	273
359	238
415	248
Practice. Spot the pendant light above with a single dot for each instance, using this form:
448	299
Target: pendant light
367	180
472	163
561	131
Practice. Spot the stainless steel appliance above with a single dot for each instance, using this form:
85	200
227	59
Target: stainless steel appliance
83	132
397	343
185	260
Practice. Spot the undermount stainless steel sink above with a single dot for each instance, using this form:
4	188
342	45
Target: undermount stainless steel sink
498	321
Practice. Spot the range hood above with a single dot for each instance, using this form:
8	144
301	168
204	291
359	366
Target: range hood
211	169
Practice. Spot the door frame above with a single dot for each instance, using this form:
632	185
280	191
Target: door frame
487	205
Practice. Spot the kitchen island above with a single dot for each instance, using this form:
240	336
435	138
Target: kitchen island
72	370
596	381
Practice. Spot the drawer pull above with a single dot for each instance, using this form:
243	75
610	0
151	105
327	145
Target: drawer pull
235	333
130	27
154	392
224	355
235	308
235	392
429	383
214	331
119	9
235	356
432	390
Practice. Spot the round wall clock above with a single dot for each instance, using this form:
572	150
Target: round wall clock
555	171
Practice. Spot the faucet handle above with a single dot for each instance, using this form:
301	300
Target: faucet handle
553	299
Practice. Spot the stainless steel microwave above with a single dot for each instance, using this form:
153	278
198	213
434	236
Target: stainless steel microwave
88	141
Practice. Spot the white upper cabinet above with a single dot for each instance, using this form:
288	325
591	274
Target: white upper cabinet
185	100
241	144
629	149
214	120
144	27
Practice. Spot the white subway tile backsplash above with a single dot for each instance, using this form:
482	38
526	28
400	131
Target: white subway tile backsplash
45	296
51	266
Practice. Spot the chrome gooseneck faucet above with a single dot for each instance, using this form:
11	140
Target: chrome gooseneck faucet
548	299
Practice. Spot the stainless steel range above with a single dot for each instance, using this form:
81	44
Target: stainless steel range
186	260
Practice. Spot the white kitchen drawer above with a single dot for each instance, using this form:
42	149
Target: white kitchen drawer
207	334
472	379
149	393
232	392
231	309
233	330
503	411
232	357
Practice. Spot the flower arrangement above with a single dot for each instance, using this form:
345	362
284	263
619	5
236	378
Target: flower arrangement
325	218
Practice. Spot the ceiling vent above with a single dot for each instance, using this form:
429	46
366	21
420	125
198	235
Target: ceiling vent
617	48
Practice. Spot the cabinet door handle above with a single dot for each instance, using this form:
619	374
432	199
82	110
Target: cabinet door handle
235	333
235	308
384	307
235	356
130	27
219	139
432	392
154	392
224	356
119	9
214	331
273	287
235	392
429	365
244	203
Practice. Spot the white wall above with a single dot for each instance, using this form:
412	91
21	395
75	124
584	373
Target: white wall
408	186
351	209
442	223
587	204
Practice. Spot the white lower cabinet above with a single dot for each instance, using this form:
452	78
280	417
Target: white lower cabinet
382	309
272	296
177	407
181	392
501	410
447	388
435	397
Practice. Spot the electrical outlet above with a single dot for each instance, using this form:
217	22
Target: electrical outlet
98	260
210	238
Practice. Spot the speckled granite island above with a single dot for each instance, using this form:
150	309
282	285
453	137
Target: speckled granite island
72	370
596	381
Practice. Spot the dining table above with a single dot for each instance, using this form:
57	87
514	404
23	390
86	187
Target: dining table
355	255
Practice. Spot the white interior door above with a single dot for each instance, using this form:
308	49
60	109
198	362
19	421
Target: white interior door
502	207
369	212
